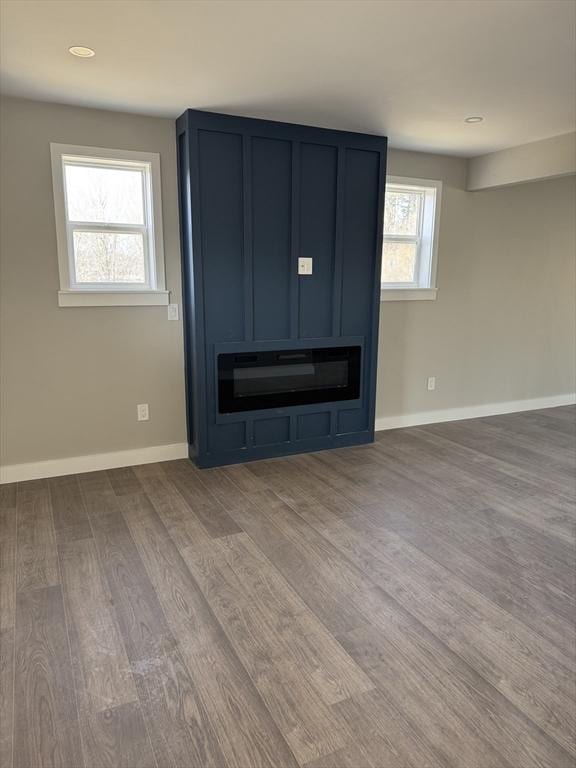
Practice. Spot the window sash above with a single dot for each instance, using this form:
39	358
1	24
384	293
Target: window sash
112	229
146	229
412	239
417	241
424	268
420	193
103	163
405	283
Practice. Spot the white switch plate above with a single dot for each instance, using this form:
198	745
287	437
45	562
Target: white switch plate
142	412
431	383
304	265
172	311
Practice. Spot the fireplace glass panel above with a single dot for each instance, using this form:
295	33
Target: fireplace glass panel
288	377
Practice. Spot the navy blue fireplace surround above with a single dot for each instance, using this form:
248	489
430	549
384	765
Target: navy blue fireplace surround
277	361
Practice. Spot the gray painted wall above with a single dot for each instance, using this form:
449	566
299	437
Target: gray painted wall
71	377
502	327
504	323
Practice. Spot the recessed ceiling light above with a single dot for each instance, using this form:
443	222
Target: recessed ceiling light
474	119
82	51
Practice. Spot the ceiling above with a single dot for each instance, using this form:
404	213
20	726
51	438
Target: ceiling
411	69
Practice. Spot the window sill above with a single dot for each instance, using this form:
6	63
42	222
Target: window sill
113	298
408	294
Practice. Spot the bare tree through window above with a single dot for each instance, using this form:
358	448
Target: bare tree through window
101	196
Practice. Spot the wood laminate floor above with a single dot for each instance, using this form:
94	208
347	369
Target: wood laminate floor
403	604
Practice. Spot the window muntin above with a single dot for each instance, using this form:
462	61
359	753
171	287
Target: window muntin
108	218
410	233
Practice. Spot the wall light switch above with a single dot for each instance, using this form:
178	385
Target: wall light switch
172	311
142	411
304	266
431	383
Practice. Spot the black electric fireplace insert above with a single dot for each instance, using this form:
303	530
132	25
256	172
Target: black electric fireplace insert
252	381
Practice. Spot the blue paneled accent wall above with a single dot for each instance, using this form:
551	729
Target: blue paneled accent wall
254	197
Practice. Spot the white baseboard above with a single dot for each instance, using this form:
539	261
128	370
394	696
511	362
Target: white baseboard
55	467
473	411
35	470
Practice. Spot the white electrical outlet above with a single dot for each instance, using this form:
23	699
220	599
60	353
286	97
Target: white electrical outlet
142	411
304	265
172	311
431	383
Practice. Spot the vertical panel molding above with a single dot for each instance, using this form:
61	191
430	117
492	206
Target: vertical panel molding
339	244
295	241
248	253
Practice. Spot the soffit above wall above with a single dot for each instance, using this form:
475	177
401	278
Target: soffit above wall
538	160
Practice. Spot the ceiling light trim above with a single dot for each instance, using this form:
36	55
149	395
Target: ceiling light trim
82	51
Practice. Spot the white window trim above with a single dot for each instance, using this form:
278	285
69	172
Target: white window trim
74	295
414	291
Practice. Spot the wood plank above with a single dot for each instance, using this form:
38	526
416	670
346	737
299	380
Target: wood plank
447	465
513	588
530	672
240	475
8	503
503	580
7	583
97	493
138	613
36	555
525	465
214	518
117	738
7	510
104	737
490	558
68	509
348	757
406	604
306	723
480	480
535	641
456	671
246	733
314	650
6	696
46	731
8	496
548	514
180	729
324	579
292	482
395	501
124	481
551	420
545	462
536	428
410	662
181	522
290	680
94	636
389	735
